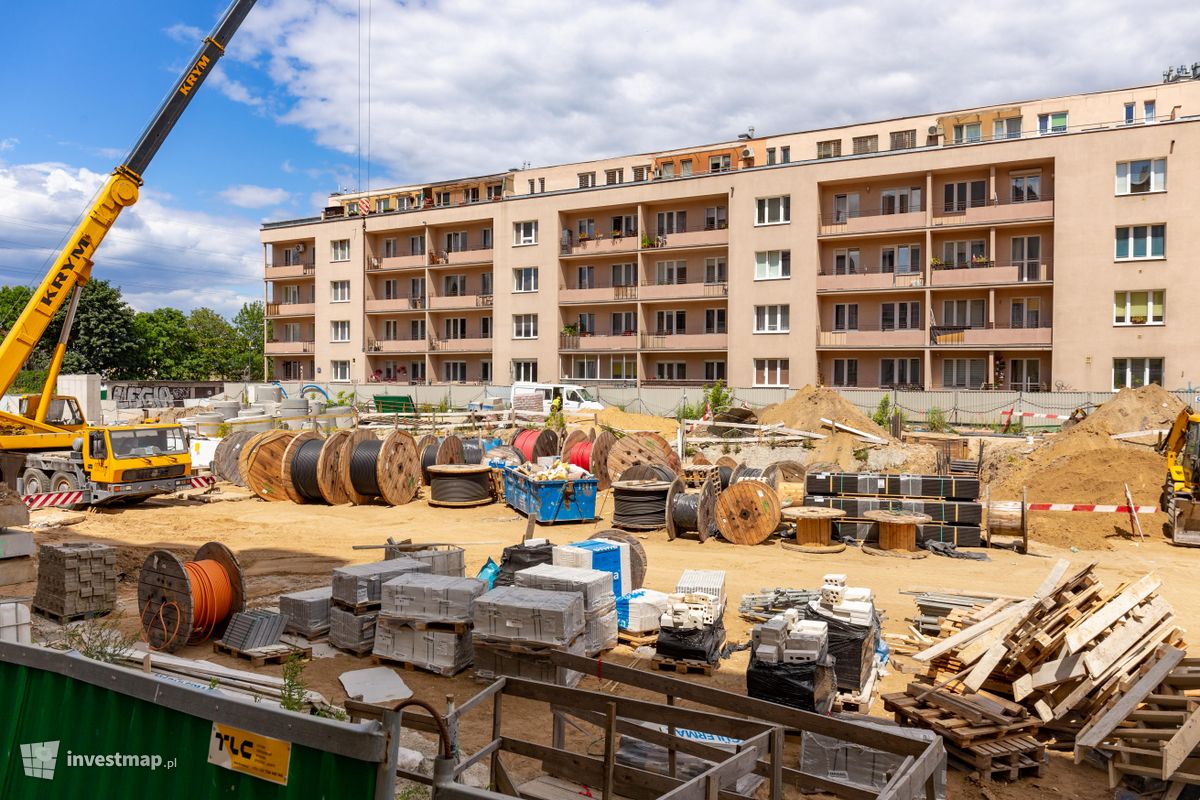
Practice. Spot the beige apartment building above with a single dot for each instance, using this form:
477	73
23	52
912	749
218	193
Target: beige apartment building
1031	246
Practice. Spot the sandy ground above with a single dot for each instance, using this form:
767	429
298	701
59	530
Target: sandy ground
284	547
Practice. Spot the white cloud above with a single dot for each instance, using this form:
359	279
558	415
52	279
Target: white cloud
157	253
460	88
235	90
248	196
8	144
185	33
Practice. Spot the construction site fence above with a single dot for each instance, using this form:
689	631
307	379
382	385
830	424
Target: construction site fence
957	406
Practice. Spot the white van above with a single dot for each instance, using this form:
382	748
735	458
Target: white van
574	397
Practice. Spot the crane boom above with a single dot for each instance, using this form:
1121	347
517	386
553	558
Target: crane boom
73	265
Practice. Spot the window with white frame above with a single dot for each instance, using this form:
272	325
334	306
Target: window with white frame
1142	176
899	372
639	174
416	369
292	332
339	250
624	322
845	262
389	248
785	154
845	372
495	191
1129	113
964	373
715	270
865	144
525	279
903	140
339	371
455	327
1007	128
772	319
1026	252
624	225
772	265
383	204
416	245
968	132
416	330
961	195
454	285
846	206
714	320
586	228
716	218
339	330
685	168
623	368
585	324
972	253
1139	308
1135	372
485	371
671	222
614	176
586	368
454	371
339	291
585	277
441	198
721	163
471	194
485	327
671	370
1055	122
669	322
1025	312
391	330
456	241
1025	374
624	274
964	313
666	169
525	326
1149	113
668	273
1141	241
905	316
289	295
771	372
1025	188
845	316
900	200
773	210
525	371
904	259
829	149
714	371
525	233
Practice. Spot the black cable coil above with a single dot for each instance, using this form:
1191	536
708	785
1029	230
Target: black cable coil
362	467
472	451
751	474
304	470
640	508
461	488
428	459
685	512
724	473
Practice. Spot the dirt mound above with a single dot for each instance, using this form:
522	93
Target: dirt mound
805	408
1132	410
614	417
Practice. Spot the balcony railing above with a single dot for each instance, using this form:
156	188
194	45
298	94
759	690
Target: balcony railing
300	309
464	300
870	220
396	262
403	303
289	348
988	272
665	340
991	335
652	290
461	345
994	210
284	271
874	279
598	341
462	255
695	235
397	345
600	244
872	336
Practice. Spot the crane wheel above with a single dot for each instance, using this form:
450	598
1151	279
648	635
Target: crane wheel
36	481
63	482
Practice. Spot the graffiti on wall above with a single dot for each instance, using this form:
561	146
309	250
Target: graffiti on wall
160	394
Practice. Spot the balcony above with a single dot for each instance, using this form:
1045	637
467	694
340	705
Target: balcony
282	272
867	281
469	255
291	309
289	348
397	346
989	337
397	262
594	342
682	291
394	304
685	341
715	235
472	345
877	337
600	245
602	294
992	213
868	221
987	274
446	302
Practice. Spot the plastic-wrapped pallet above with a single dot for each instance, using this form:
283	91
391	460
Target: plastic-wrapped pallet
596	586
851	645
443	652
431	598
691	644
363	583
639	611
787	638
497	659
307	612
445	560
866	767
602	554
523	556
529	615
810	686
350	631
15	625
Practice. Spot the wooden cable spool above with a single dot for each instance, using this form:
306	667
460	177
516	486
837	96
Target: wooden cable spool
694	475
262	457
706	508
600	450
647	472
424	442
727	461
329	467
814	524
398	470
897	529
439	471
225	456
356	437
166	597
789	481
506	454
640	448
285	465
637	554
700	460
768	475
570	440
450	451
748	512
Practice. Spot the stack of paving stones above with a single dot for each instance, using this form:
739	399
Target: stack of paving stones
357	591
75	580
251	630
516	629
426	620
307	612
599	604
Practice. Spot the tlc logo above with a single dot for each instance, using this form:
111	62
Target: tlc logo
229	742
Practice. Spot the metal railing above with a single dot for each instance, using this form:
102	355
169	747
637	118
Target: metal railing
836	217
293	346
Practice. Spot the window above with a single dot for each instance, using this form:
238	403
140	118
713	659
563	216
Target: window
1009	128
716	218
417	370
774	210
671	370
639	173
1027	257
1136	372
899	372
485	371
525	279
967	133
964	313
471	194
1052	123
1025	188
669	322
901	200
685	167
495	191
624	275
900	316
1129	113
904	140
829	149
485	327
770	156
903	259
339	250
614	176
293	257
541	184
417	330
485	238
586	278
339	330
389	248
455	328
293	332
290	295
1140	177
416	287
714	320
1025	374
586	228
456	241
772	264
531	185
964	373
1026	312
845	372
525	326
1141	241
714	371
845	317
669	273
454	285
771	319
391	330
1148	111
525	233
961	195
667	169
586	368
624	322
454	371
339	291
416	245
845	206
625	225
441	198
845	262
785	154
715	270
866	144
623	367
965	254
339	371
391	289
485	283
720	163
587	180
586	324
671	222
1139	308
770	372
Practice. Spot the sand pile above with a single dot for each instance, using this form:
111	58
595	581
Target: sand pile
805	408
1132	410
614	417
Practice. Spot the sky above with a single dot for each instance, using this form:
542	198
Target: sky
316	96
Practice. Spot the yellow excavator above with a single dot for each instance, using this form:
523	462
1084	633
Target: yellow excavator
1179	497
48	446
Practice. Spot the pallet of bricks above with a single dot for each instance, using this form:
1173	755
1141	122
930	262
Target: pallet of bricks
356	596
951	501
75	580
425	622
1050	664
516	628
691	631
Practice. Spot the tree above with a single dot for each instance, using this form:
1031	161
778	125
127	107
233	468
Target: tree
13	300
167	343
248	324
216	347
102	339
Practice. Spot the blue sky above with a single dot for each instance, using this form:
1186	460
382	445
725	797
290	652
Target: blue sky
463	87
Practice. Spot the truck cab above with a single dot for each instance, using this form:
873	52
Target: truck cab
573	396
64	412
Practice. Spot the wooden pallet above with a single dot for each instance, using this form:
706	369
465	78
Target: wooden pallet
411	666
964	720
857	702
682	666
274	654
1007	759
63	619
358	609
447	626
637	639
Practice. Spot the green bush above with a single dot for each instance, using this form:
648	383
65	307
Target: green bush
936	419
883	412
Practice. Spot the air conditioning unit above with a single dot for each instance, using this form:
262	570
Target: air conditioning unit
747	152
657	173
936	130
374	261
300	248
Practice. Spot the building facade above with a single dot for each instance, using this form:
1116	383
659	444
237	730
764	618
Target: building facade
1029	246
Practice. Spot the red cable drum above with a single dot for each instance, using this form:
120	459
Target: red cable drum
524	441
581	455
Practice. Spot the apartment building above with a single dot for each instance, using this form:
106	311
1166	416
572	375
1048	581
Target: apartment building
1032	245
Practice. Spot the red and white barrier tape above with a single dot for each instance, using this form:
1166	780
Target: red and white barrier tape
1092	508
52	499
202	481
1013	413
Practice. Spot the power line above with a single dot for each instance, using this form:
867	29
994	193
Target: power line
123	259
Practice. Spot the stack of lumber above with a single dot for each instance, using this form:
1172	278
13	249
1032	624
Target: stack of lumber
1065	652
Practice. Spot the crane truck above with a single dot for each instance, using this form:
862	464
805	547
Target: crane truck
53	448
1181	491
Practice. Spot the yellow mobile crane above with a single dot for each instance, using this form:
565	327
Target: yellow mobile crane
62	451
1181	492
